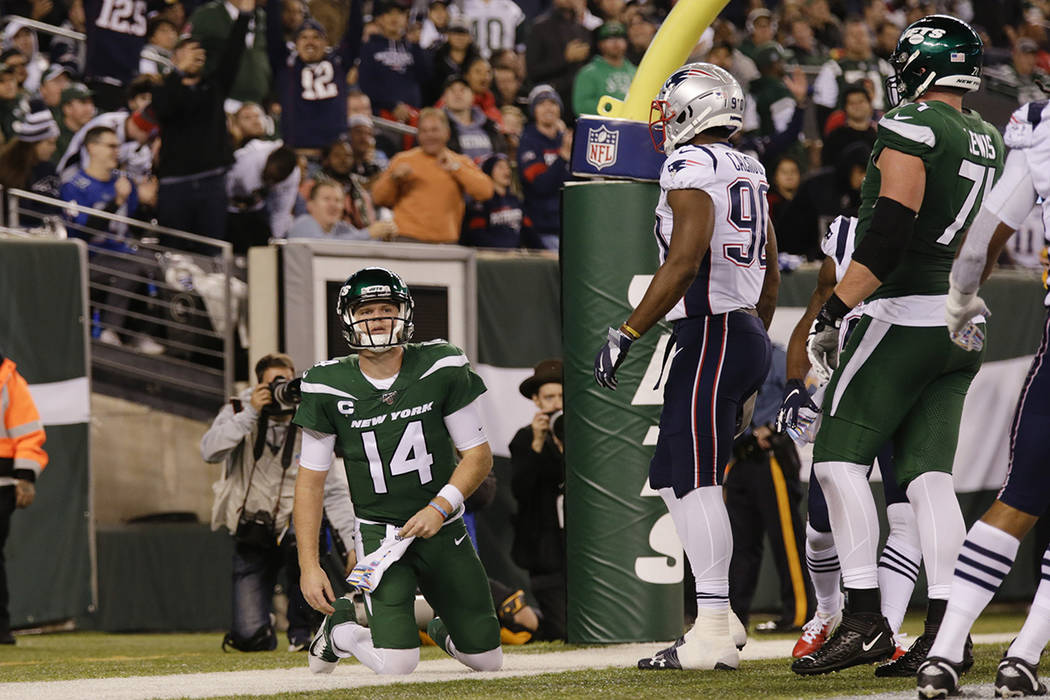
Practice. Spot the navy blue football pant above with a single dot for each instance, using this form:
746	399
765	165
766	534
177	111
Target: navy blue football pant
1027	484
719	361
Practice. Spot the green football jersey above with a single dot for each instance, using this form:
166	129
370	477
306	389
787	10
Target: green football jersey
963	156
396	448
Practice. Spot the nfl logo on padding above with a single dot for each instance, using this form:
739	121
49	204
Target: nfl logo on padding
601	147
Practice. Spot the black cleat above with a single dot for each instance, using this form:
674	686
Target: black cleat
663	660
861	638
1017	677
938	678
907	664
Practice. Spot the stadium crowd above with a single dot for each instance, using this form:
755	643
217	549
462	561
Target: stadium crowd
437	121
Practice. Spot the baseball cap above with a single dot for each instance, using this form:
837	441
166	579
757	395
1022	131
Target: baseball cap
384	6
76	91
768	54
612	30
311	23
452	80
146	120
53	71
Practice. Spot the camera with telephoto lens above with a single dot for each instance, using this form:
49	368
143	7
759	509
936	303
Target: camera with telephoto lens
256	529
286	393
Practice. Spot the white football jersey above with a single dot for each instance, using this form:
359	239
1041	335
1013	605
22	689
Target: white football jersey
734	267
493	23
1028	136
838	245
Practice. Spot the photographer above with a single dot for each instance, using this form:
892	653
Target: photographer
253	500
538	484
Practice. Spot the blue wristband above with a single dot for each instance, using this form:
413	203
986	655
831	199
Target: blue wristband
435	506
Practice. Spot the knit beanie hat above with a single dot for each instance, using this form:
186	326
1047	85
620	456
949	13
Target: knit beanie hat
36	123
489	164
540	93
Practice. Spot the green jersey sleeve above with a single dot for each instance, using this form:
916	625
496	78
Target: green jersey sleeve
465	385
311	413
909	129
461	384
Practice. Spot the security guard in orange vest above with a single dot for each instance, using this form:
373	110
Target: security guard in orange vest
22	458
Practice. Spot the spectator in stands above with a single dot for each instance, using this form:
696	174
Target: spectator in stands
312	82
513	127
253	435
805	51
337	163
823	195
16	63
1020	79
479	78
18	35
293	14
640	33
826	26
393	70
55	80
558	47
261	189
497	222
247	123
368	161
135	131
859	126
435	24
772	104
425	185
611	10
507	87
856	63
25	161
787	174
472	132
115	37
140	92
886	35
8	101
22	457
761	30
608	73
495	24
99	185
211	25
543	165
450	57
538	483
196	149
324	217
76	108
161	37
69	52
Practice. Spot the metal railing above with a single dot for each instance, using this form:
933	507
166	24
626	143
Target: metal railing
47	28
142	280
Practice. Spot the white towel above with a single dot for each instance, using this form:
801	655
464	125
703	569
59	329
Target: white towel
368	573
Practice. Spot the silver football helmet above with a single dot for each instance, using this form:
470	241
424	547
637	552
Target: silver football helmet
697	97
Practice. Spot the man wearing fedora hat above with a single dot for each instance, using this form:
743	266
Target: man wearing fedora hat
538	484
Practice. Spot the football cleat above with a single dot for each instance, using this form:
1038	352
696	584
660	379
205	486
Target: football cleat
907	664
696	650
737	631
323	653
861	638
937	678
815	632
663	660
1016	677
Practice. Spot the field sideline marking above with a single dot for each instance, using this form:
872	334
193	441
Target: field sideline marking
354	675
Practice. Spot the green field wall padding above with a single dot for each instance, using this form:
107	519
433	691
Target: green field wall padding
625	563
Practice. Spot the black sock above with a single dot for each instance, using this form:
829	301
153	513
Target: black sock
863	600
935	612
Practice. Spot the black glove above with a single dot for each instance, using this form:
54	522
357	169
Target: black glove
796	397
610	357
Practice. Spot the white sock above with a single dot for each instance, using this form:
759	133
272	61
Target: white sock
941	528
984	560
899	563
823	563
357	640
702	523
1036	630
854	521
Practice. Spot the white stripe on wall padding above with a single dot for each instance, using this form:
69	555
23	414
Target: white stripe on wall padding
63	403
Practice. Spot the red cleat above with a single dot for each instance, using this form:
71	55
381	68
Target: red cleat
815	632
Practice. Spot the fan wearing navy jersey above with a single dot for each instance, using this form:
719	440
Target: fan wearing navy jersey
311	81
988	552
116	33
715	286
498	222
393	70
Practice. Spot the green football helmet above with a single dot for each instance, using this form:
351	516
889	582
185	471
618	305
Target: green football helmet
935	50
369	285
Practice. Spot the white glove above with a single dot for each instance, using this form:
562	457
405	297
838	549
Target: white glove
822	347
959	311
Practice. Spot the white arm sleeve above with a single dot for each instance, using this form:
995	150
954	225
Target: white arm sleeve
465	426
1010	201
318	449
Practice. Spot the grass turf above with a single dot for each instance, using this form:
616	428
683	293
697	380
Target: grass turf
75	655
